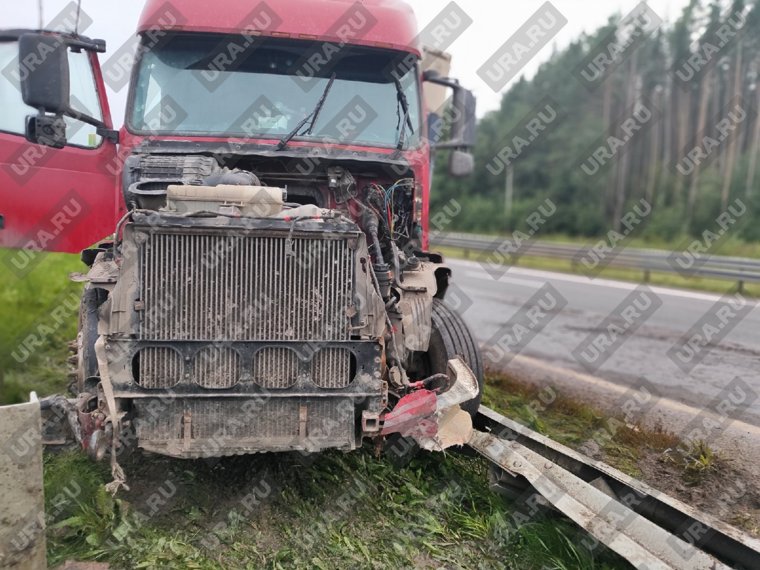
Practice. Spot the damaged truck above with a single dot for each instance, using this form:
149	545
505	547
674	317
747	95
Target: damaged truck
261	279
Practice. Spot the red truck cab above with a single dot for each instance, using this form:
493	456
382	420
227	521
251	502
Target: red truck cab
86	174
268	284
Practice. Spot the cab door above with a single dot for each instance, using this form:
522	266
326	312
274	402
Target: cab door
57	193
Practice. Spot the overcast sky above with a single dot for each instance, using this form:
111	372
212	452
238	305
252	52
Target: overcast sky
493	23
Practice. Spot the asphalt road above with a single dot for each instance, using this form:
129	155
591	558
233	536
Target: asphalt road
488	303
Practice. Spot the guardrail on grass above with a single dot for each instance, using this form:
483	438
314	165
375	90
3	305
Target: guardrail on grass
739	269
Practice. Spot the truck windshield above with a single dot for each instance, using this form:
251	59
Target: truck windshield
216	85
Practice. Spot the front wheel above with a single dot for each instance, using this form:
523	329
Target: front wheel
451	338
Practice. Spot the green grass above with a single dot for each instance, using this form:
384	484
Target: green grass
575	423
730	247
338	511
697	459
36	306
685	469
635	276
354	510
335	511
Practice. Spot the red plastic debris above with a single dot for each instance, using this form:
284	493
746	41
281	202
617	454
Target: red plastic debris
412	415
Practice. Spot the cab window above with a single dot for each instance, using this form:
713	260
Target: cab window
84	97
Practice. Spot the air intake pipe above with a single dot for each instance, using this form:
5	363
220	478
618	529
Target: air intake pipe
232	178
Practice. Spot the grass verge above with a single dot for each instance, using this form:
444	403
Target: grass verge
38	312
331	511
691	471
337	510
576	424
328	511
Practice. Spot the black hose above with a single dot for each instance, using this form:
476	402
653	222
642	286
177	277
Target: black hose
372	227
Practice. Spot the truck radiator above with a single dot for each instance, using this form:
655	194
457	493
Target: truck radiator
216	287
224	289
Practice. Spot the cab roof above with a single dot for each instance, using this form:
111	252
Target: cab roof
380	23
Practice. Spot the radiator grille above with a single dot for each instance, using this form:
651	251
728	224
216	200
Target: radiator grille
215	287
275	368
158	368
331	368
216	368
217	424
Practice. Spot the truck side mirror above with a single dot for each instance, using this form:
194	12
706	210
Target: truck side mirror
44	72
462	125
461	163
465	129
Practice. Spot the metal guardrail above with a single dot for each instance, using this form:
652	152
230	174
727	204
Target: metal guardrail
646	527
739	269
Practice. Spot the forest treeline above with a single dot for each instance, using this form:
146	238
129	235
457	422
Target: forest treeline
640	110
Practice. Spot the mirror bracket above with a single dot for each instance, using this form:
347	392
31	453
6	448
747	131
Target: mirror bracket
108	134
82	43
432	76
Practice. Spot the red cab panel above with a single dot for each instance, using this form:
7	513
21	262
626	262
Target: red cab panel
56	199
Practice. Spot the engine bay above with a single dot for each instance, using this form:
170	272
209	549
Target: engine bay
358	191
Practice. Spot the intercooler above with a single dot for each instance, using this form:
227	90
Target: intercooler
213	427
214	287
223	289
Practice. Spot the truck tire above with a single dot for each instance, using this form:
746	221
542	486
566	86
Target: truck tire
450	338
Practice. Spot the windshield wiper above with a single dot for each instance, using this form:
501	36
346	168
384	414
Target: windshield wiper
406	119
313	116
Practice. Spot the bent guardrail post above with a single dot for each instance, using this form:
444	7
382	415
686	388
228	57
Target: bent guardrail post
22	504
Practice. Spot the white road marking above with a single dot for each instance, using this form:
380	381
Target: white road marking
534	284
